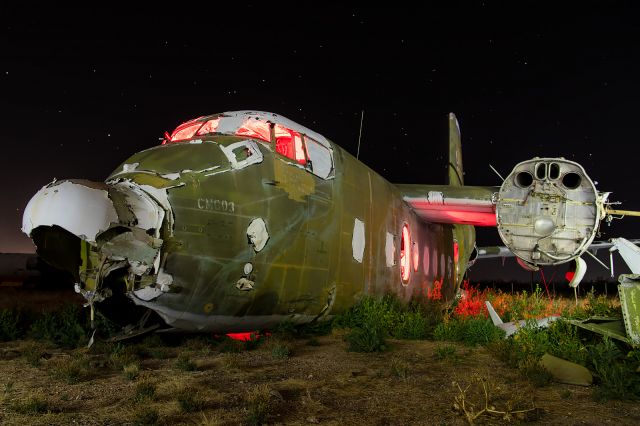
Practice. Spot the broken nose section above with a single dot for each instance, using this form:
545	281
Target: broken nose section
81	207
93	229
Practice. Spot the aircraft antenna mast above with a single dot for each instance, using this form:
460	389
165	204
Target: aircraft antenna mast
499	175
360	134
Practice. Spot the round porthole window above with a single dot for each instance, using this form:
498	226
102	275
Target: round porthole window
405	254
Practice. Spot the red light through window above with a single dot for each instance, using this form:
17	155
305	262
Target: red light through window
405	257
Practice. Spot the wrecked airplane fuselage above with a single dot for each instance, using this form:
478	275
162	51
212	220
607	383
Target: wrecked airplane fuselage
244	219
234	224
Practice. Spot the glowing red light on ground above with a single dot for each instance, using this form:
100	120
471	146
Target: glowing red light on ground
243	336
471	304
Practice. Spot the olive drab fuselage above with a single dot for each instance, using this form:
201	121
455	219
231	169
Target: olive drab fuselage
307	268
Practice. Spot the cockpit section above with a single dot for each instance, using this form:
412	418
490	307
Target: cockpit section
302	146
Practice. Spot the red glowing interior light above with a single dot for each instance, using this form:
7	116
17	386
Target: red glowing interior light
471	218
289	144
209	127
255	129
185	131
569	275
405	258
456	252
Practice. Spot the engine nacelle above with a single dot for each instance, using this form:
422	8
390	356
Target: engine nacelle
548	211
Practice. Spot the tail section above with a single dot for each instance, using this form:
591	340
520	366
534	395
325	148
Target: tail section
493	314
455	153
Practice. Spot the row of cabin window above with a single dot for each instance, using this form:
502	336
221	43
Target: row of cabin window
289	143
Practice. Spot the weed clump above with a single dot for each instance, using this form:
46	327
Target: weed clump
70	369
9	325
189	402
258	404
399	368
617	375
534	371
184	363
33	354
471	331
122	356
280	351
131	371
31	405
446	352
367	338
389	316
145	391
63	328
146	416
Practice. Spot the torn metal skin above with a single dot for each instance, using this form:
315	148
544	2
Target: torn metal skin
244	219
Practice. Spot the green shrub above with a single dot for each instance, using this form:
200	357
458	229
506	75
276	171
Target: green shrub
451	330
411	325
601	305
70	369
189	402
367	338
617	376
280	351
258	404
122	355
9	325
531	368
471	331
564	342
480	331
380	313
446	352
146	416
33	353
184	363
63	328
390	316
145	391
32	405
131	371
399	368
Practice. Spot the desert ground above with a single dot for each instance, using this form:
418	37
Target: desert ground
288	381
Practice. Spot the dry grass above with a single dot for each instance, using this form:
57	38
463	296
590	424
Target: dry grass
325	384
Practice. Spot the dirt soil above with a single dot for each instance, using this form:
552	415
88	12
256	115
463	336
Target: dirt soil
412	383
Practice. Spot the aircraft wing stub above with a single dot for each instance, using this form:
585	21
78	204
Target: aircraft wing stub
468	205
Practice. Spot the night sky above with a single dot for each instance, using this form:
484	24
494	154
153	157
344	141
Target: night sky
84	88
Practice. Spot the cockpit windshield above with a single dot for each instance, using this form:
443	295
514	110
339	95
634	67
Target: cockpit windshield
295	142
